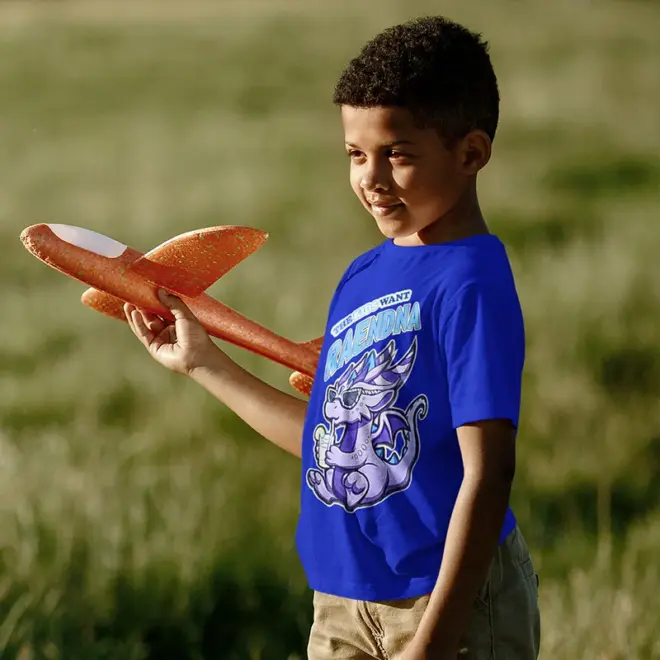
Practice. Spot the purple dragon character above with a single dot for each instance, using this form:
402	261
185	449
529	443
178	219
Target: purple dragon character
371	447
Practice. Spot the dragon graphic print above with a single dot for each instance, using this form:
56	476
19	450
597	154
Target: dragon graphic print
368	446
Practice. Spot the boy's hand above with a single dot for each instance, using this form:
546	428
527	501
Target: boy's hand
181	346
418	650
415	653
185	347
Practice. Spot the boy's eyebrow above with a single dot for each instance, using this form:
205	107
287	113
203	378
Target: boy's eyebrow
396	143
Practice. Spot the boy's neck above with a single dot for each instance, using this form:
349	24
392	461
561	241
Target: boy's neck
463	220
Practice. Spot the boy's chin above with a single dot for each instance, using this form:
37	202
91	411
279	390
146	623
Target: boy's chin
393	230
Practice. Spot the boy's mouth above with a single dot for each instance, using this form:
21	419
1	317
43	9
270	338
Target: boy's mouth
383	210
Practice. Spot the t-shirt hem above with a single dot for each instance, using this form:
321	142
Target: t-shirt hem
463	418
415	588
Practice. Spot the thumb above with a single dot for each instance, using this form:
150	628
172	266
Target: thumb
178	308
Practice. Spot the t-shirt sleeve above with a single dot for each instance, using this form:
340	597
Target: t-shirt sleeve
484	346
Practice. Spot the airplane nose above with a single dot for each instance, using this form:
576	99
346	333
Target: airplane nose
36	237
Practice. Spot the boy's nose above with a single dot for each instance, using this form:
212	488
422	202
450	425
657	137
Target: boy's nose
374	180
374	185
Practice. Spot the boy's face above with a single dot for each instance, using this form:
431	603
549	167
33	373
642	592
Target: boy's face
406	177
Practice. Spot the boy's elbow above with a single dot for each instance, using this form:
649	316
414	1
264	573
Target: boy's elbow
497	473
502	466
496	478
501	469
492	487
506	472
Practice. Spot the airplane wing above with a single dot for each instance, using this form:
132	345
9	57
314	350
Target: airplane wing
189	264
186	265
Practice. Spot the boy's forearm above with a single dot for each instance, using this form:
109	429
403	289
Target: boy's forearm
471	543
277	416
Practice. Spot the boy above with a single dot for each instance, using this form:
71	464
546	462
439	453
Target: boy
408	439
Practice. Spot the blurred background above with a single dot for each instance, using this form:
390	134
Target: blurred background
138	518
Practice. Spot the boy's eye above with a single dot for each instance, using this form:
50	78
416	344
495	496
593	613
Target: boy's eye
356	154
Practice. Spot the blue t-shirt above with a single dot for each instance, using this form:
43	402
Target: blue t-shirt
419	341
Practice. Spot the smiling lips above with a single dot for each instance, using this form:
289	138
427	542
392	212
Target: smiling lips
384	208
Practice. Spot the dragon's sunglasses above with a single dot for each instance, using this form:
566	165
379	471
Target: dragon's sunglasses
348	398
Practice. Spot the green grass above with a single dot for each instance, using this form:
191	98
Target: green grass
138	519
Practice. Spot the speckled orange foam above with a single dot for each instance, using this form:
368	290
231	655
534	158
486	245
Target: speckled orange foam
301	382
185	265
190	263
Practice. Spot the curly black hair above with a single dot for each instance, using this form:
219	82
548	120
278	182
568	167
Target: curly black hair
436	69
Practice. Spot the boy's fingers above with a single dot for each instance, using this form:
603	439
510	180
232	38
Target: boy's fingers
148	317
141	330
156	326
165	336
147	327
152	321
128	309
178	308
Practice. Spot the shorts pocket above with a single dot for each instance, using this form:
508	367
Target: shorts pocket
477	640
531	576
527	568
482	601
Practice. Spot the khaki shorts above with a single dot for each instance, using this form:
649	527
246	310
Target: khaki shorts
505	622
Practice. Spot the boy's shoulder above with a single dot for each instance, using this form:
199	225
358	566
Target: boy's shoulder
480	260
474	273
480	275
475	262
360	263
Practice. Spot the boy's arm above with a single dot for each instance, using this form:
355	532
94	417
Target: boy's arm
482	339
277	416
488	450
186	348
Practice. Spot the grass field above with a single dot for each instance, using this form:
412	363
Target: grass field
139	519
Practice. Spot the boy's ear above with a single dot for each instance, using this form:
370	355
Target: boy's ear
475	152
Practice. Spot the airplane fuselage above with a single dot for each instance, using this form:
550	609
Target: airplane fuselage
105	265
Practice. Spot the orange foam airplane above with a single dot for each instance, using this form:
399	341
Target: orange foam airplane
186	265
